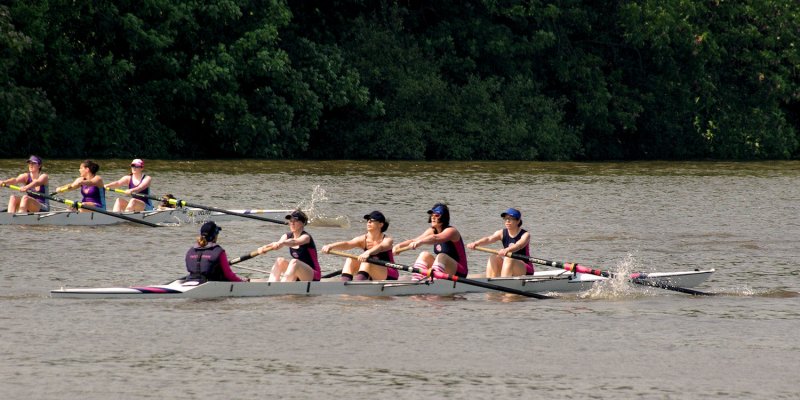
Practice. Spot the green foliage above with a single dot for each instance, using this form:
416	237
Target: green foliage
472	79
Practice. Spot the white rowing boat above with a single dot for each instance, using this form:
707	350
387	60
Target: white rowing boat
164	216
540	282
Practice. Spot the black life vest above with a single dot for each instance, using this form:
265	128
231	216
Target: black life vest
203	263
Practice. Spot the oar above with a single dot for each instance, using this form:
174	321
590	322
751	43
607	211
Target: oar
182	203
332	274
254	253
78	204
441	275
402	249
638	278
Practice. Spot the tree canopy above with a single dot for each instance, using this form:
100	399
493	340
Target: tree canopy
467	79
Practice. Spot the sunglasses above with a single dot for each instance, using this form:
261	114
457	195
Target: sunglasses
136	166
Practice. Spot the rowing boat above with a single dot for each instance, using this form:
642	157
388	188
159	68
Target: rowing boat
540	282
162	216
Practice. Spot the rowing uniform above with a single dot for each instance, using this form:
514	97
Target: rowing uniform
94	194
525	251
44	203
145	193
391	273
457	252
209	263
307	253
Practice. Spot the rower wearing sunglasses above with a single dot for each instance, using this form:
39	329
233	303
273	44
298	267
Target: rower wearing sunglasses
374	244
137	183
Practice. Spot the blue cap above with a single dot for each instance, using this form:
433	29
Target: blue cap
437	210
34	160
513	213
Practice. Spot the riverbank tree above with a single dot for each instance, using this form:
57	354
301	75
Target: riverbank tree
475	79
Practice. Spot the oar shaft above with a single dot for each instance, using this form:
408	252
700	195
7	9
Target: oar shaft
251	269
637	278
183	203
441	275
244	257
78	204
331	274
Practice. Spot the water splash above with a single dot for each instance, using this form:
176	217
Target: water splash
618	287
317	214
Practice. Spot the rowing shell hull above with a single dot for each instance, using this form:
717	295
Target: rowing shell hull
541	282
168	216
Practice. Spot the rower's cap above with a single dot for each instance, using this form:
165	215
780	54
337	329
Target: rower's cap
437	209
513	213
299	215
209	230
137	163
34	160
377	216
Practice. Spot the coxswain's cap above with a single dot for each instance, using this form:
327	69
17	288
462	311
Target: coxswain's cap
209	230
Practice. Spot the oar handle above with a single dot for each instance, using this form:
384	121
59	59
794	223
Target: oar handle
244	257
402	249
255	253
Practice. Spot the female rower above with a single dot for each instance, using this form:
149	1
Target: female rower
207	261
448	255
137	182
515	241
304	265
91	184
376	244
34	179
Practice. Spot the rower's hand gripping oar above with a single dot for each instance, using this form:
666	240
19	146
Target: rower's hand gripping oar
637	278
182	203
441	275
78	204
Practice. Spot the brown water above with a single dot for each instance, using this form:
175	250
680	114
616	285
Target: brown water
615	342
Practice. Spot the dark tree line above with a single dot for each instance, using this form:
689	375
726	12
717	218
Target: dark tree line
468	79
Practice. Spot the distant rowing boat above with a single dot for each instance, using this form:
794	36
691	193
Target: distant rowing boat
164	216
540	282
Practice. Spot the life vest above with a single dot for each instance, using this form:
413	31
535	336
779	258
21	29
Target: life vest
202	263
